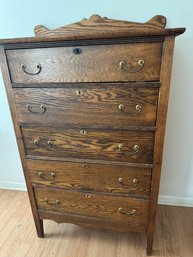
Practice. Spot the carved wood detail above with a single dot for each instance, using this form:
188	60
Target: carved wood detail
97	25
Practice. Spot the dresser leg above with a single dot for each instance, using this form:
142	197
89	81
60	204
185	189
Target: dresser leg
39	228
149	244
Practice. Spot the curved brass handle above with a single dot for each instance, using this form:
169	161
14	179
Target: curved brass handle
57	202
39	67
130	213
42	107
140	66
135	181
52	175
137	107
134	151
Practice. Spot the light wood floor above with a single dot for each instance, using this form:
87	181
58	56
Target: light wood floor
173	237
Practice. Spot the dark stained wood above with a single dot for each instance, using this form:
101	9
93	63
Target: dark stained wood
98	26
91	177
94	63
100	144
61	159
89	85
91	222
82	42
159	136
99	106
5	73
93	205
133	35
88	165
173	237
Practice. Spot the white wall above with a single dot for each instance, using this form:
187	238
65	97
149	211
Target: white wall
18	18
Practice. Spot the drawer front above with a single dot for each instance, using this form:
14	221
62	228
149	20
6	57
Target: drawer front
114	179
109	106
126	146
109	208
102	63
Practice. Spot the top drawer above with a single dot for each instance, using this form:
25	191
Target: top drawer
101	63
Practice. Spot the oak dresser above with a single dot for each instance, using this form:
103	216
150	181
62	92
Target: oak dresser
89	103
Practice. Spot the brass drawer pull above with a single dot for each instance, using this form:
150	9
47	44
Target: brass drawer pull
140	66
130	213
42	107
39	67
134	151
52	176
57	202
50	143
135	181
138	109
36	142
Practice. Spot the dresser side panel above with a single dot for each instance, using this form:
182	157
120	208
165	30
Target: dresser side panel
7	82
165	77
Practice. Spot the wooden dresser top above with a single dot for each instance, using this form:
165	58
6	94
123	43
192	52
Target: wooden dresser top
97	27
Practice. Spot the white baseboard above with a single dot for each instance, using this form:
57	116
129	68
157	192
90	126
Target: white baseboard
163	199
176	201
13	185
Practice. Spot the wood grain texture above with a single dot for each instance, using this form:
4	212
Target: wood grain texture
99	145
94	63
91	177
91	222
45	42
6	78
159	136
97	26
93	205
85	129
96	106
61	159
173	236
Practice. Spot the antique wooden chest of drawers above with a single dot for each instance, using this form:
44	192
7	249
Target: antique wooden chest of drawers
89	104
